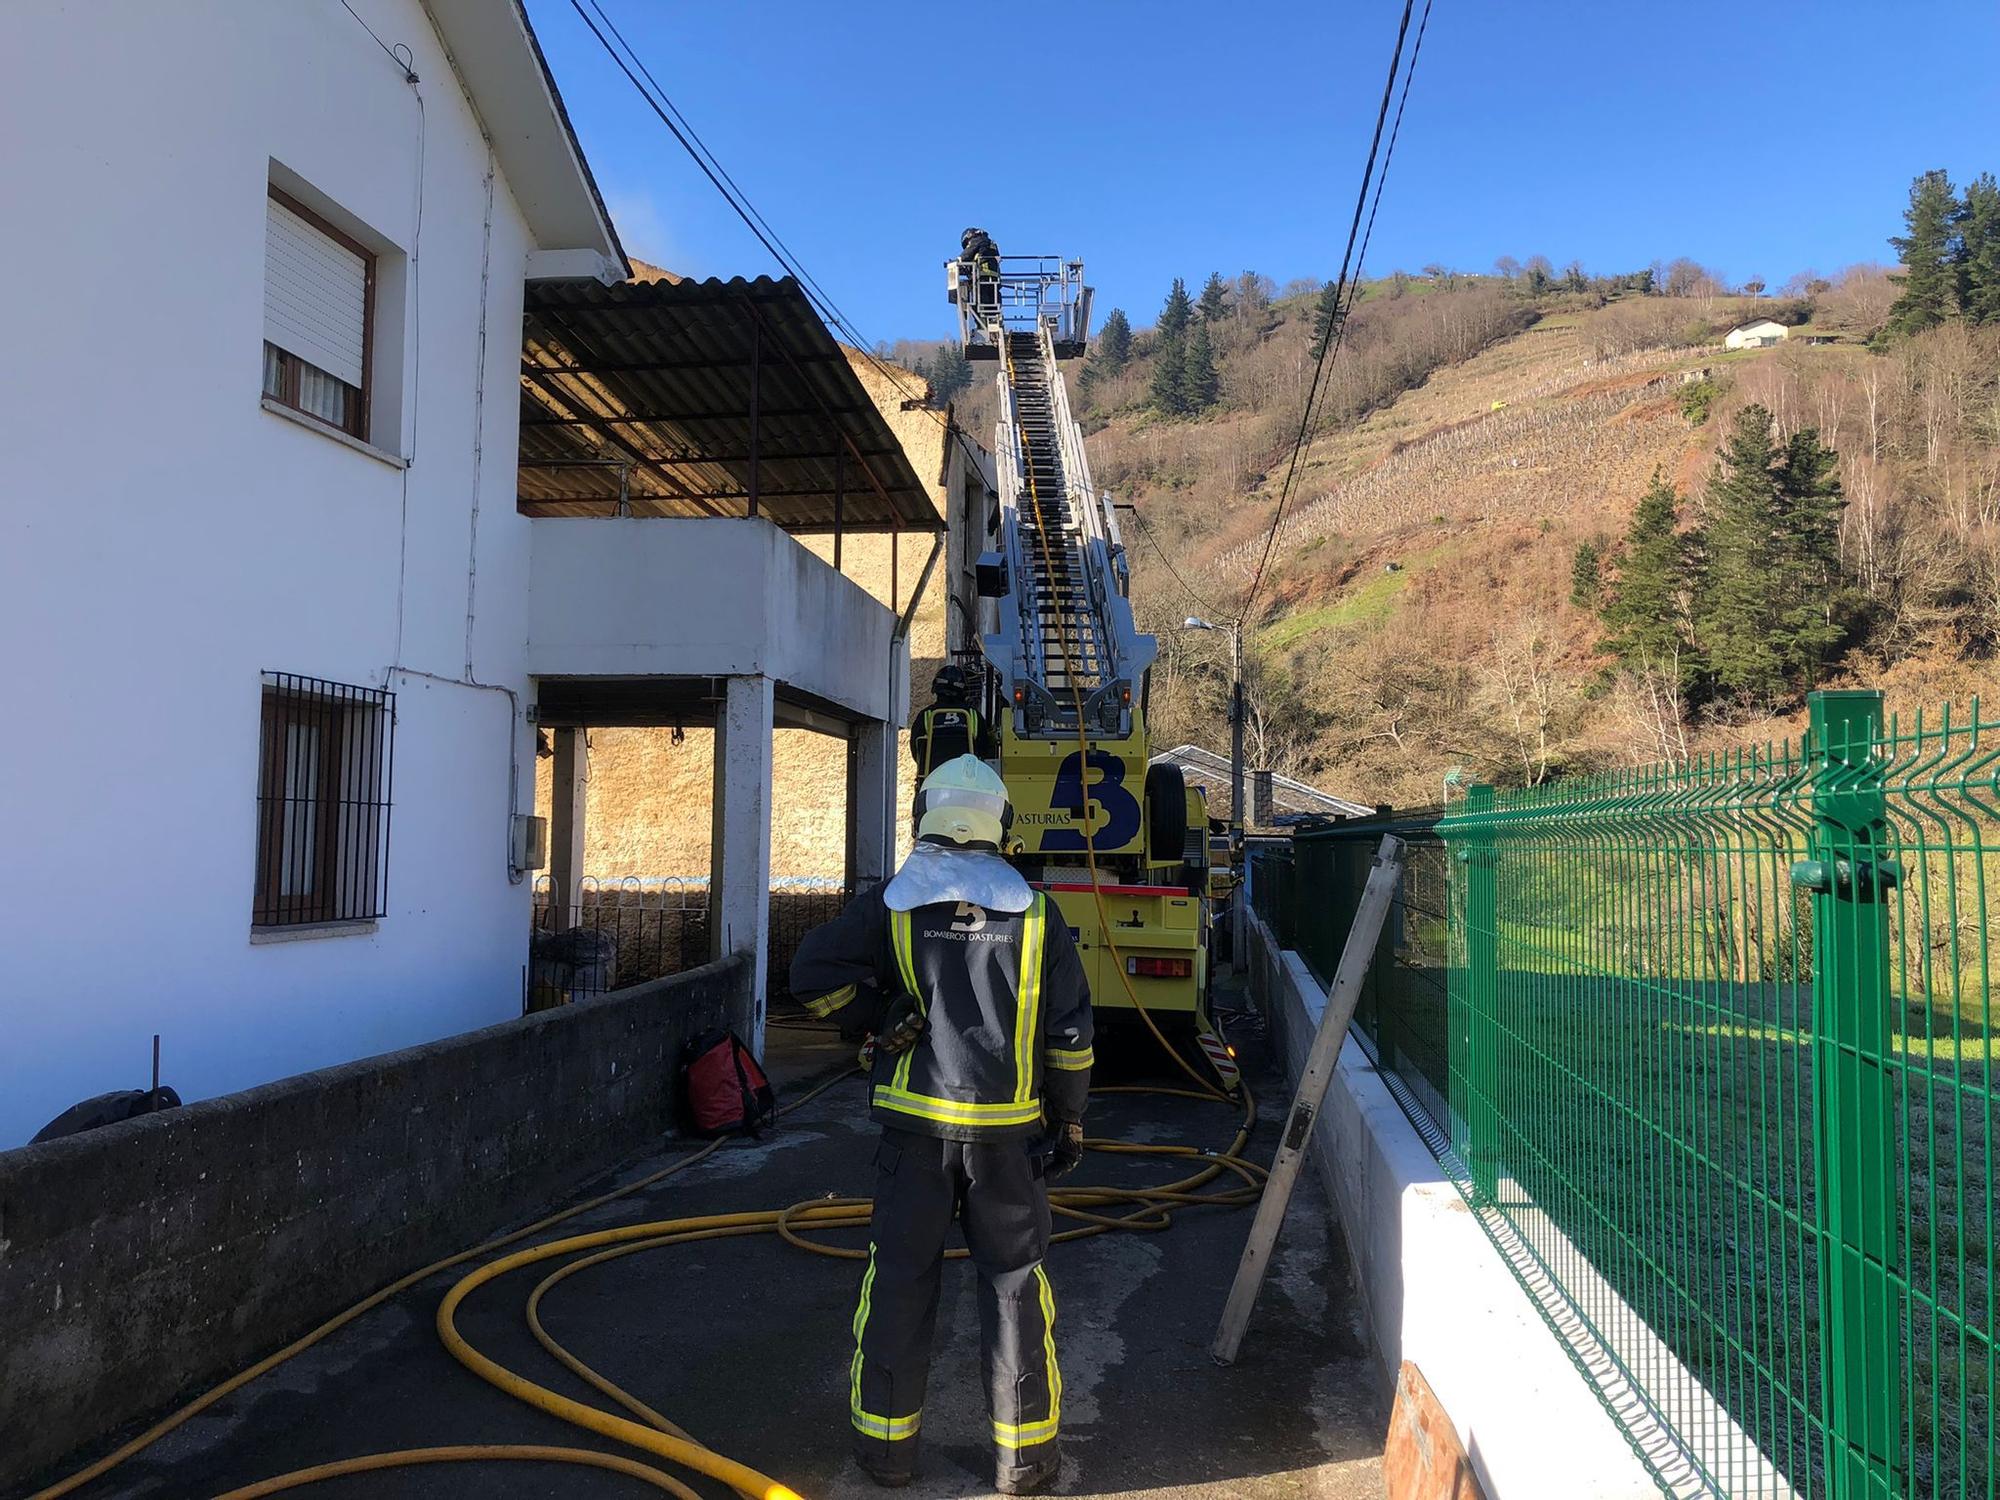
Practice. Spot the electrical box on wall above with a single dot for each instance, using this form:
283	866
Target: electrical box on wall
531	842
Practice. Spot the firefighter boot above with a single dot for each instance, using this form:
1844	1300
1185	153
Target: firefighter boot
1028	1479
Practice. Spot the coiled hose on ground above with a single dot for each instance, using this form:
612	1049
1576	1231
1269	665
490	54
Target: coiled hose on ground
1148	1209
1091	1211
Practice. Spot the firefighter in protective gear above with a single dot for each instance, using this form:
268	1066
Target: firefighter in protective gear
981	1108
951	726
976	246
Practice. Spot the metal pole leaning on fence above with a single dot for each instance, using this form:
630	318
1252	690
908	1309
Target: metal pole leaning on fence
1855	1208
1355	959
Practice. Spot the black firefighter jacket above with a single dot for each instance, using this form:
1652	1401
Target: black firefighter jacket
1007	1009
946	731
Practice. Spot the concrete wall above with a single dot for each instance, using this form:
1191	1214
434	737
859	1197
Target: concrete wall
164	539
148	1258
1436	1290
635	597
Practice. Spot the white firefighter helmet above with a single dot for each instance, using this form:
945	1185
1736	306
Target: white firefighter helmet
964	802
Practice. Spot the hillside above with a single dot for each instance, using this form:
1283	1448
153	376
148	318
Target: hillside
1416	615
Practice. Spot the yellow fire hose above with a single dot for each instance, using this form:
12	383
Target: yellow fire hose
1147	1209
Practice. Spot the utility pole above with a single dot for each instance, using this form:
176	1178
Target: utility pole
1238	812
1239	816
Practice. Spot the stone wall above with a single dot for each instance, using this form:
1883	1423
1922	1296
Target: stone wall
146	1260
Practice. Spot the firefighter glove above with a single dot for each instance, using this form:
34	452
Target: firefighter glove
902	1024
1061	1149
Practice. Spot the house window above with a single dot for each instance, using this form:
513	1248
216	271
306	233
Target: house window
319	304
323	783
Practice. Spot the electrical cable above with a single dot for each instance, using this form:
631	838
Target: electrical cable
1330	342
712	169
1388	156
739	201
1152	1210
1161	553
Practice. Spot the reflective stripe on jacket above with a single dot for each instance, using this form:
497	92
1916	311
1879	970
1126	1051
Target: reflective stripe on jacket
945	732
1008	1024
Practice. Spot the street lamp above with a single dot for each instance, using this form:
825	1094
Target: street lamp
1237	820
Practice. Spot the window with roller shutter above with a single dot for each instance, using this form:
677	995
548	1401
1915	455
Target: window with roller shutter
319	294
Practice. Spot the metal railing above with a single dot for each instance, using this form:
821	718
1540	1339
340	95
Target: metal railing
1721	1083
1306	889
623	932
633	929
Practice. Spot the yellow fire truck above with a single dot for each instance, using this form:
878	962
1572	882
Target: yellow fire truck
1120	843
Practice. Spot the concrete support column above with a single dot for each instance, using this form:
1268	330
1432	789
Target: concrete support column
568	816
871	804
739	860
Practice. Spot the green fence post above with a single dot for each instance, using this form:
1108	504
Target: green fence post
1482	992
1854	1115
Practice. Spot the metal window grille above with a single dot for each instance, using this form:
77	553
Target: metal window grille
323	800
632	929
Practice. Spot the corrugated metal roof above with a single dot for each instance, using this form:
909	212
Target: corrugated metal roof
646	391
1287	795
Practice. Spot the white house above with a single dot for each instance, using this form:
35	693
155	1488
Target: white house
265	567
1761	334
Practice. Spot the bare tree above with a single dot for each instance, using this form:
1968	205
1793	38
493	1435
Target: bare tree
1534	699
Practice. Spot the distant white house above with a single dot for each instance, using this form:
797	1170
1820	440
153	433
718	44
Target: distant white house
1761	334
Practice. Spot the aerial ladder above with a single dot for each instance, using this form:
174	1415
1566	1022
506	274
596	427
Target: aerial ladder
1120	844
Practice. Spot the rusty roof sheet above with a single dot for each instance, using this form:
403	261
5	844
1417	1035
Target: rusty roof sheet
654	398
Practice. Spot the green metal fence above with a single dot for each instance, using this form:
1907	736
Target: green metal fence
1309	899
1721	1082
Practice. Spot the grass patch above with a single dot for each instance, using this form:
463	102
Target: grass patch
1367	605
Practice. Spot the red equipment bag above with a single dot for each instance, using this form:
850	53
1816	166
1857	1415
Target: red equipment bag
725	1091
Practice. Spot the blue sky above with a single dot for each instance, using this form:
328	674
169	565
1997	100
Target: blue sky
1174	138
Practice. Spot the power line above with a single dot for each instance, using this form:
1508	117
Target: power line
1206	609
732	194
1335	333
1395	131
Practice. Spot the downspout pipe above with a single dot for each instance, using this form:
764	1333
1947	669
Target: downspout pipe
900	636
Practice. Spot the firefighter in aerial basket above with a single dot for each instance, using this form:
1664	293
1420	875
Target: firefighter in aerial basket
978	1015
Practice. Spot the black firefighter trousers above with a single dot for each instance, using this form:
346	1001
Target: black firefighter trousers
997	1190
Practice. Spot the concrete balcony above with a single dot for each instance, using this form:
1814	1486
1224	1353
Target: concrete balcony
638	598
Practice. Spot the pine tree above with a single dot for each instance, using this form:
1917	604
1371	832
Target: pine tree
1201	387
1586	578
1979	251
950	372
1167	393
1929	279
1647	610
1810	582
1114	342
1214	297
1325	314
1178	312
1739	623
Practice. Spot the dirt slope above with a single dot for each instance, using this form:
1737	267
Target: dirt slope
1415	617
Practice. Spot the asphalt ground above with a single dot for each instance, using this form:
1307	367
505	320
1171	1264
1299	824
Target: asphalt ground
745	1342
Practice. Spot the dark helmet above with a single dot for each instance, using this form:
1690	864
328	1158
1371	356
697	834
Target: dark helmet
950	682
973	237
